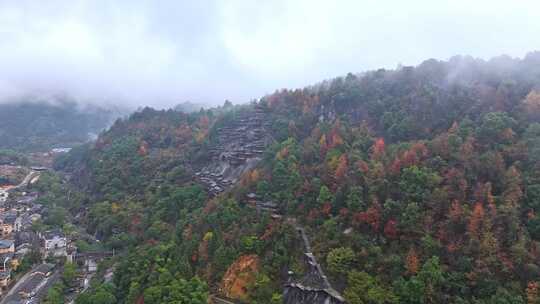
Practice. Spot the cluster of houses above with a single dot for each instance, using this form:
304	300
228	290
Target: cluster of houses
17	215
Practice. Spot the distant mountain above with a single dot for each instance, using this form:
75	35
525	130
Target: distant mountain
40	126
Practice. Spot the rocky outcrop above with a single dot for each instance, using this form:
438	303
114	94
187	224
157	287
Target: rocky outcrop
300	294
313	287
254	201
238	148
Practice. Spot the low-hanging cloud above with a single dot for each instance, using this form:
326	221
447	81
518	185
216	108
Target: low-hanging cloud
163	52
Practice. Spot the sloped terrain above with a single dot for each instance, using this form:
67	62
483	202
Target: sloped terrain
36	125
237	148
414	185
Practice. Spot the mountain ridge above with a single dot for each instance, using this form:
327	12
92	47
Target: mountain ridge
36	125
417	185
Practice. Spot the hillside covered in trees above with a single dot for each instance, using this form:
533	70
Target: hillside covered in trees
36	125
414	185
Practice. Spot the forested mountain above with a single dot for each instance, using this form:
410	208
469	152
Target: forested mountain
187	107
34	125
414	185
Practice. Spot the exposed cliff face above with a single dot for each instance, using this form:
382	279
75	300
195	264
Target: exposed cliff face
297	294
240	275
314	287
238	148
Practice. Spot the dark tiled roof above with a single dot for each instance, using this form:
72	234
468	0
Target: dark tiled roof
5	274
5	243
8	217
48	235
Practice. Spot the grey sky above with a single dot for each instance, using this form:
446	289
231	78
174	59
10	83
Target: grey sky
167	51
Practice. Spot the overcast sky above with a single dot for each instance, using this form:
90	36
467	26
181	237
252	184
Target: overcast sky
167	51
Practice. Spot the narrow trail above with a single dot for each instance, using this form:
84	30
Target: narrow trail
314	287
29	177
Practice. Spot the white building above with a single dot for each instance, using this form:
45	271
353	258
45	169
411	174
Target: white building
54	243
25	221
3	196
61	150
